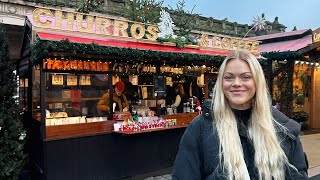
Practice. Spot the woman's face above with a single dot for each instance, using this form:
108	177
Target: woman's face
238	84
118	92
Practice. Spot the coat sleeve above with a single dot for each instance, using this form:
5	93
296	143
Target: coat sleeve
103	104
299	160
188	163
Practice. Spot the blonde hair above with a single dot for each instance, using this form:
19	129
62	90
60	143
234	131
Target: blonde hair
269	158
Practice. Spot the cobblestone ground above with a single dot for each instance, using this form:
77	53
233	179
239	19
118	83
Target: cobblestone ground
163	177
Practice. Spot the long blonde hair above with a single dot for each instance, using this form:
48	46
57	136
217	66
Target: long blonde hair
269	158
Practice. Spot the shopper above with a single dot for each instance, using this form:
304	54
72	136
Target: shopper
239	134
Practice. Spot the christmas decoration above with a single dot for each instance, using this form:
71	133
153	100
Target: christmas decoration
258	24
166	25
41	49
91	6
11	142
183	19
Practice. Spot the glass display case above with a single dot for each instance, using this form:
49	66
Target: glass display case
71	98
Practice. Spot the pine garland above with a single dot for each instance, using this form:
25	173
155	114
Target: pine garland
41	49
288	55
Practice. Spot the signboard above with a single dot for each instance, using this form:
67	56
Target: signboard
59	20
228	43
72	80
316	35
57	79
86	23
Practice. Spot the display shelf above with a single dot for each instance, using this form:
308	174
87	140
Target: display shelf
48	100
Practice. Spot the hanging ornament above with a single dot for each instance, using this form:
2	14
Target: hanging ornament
22	136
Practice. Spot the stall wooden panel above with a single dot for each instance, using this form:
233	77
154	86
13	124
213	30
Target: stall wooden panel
182	118
78	130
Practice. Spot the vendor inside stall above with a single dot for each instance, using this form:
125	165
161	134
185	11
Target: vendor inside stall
180	98
119	102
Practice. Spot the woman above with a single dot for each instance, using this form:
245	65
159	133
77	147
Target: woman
181	98
240	135
120	101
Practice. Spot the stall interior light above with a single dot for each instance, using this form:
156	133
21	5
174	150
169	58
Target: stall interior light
317	64
296	62
307	63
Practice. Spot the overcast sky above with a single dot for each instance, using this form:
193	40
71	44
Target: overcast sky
304	14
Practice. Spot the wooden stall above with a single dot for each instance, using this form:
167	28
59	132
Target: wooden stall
68	62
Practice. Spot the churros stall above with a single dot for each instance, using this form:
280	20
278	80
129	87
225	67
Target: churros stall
69	60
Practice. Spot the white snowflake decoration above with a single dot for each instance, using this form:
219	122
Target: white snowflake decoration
259	23
166	24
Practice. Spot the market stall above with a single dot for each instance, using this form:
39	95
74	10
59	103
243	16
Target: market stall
68	62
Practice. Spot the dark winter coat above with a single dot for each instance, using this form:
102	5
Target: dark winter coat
198	157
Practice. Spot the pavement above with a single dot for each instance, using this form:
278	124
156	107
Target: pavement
311	145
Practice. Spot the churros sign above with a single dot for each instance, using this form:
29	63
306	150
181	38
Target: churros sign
87	23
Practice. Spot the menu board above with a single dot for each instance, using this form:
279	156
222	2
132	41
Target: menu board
72	80
57	79
85	80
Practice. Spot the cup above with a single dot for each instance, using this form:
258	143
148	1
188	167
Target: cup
116	126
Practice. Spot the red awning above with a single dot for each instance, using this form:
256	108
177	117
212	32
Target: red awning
128	44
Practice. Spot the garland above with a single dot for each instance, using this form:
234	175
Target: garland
288	55
41	49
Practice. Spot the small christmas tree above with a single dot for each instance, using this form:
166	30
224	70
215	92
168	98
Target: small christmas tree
183	19
11	133
166	25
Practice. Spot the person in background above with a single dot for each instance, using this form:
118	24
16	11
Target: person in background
240	135
181	97
120	101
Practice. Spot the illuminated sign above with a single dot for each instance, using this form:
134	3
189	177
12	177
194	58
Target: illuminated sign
228	43
316	35
79	22
86	23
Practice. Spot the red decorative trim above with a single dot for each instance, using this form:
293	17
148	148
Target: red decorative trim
129	44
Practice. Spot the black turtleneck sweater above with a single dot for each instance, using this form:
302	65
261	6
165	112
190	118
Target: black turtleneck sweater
243	117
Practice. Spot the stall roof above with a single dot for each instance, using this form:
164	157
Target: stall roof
310	47
302	32
128	44
291	45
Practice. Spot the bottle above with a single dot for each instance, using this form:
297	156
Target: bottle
184	107
188	107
